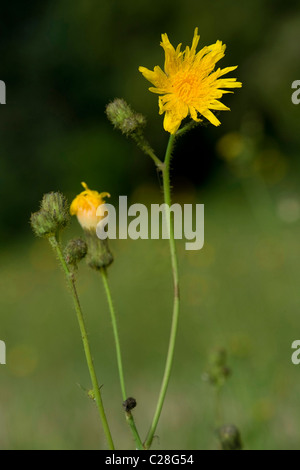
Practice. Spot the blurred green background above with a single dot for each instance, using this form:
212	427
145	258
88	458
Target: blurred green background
62	62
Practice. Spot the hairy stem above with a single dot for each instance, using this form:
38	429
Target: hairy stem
147	149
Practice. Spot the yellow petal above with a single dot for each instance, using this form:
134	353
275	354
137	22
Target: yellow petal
171	122
157	76
218	106
171	56
194	114
211	117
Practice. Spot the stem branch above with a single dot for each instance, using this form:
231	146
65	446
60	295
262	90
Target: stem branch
71	284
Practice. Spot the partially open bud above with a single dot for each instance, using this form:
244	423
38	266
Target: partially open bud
52	217
85	207
230	437
124	118
75	251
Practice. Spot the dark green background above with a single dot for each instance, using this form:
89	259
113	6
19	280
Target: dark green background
62	62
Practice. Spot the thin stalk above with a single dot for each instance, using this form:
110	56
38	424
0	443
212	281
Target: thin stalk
174	325
190	125
156	160
71	284
115	331
147	149
129	417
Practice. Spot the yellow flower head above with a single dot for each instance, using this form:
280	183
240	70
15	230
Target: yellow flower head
189	83
85	207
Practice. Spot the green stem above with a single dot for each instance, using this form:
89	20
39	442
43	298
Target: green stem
71	284
115	330
190	125
156	160
129	417
174	325
147	149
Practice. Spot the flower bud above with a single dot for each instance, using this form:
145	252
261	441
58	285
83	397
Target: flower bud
43	224
124	118
91	394
230	437
75	251
52	217
57	206
129	404
98	252
85	207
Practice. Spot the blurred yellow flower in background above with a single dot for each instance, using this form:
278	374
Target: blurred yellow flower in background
85	205
189	84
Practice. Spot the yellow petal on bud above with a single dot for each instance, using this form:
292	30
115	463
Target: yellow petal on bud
85	205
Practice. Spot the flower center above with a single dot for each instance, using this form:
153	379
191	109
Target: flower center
186	86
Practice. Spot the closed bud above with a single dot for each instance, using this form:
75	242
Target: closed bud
43	224
75	251
98	252
230	437
52	217
129	404
57	206
124	118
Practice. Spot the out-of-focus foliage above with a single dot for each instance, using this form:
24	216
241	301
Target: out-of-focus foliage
63	61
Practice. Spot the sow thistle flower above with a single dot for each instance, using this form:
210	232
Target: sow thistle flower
85	206
190	85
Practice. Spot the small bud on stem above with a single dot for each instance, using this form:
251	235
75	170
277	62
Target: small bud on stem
129	404
230	437
98	252
75	251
